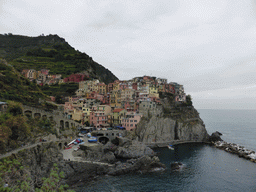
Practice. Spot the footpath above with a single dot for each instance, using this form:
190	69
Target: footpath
29	146
165	144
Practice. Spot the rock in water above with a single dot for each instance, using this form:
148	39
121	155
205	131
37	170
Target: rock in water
215	137
176	165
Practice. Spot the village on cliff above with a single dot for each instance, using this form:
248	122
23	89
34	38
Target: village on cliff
120	103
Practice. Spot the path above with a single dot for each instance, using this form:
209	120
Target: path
165	144
28	147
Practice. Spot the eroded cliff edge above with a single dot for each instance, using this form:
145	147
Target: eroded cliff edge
171	123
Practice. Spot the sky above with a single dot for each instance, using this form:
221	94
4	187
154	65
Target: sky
209	46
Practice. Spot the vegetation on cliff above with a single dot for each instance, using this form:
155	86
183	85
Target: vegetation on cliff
16	177
60	90
16	87
17	129
14	127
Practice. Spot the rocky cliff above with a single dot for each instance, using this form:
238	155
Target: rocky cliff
39	160
173	124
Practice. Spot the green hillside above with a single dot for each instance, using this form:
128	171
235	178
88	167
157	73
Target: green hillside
16	87
50	52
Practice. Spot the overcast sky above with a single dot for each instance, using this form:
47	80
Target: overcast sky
209	46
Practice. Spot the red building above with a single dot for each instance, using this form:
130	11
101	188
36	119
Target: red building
75	78
110	87
135	86
169	88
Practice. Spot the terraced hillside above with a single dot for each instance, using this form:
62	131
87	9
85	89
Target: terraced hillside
50	52
15	87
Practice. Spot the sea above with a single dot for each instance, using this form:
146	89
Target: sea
205	168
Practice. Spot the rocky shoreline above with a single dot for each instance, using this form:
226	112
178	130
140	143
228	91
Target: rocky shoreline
233	148
236	149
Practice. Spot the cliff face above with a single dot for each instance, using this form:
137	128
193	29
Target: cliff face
172	124
164	130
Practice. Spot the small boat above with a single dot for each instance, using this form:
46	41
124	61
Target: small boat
170	147
92	139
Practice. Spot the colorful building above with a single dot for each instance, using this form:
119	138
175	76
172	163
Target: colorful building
99	115
117	116
131	120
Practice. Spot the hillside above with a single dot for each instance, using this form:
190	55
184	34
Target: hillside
16	87
50	52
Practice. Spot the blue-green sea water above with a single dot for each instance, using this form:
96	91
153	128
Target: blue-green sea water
206	168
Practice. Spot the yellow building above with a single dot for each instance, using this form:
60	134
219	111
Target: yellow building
153	91
115	98
116	86
117	116
86	111
77	115
102	88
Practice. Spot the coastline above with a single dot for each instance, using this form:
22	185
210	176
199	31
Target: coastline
174	142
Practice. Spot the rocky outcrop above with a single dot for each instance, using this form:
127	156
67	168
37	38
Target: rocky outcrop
123	149
176	165
142	164
166	129
134	149
215	137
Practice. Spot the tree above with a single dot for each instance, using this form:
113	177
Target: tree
19	179
59	99
14	108
189	100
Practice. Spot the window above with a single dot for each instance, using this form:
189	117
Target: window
131	120
135	120
131	125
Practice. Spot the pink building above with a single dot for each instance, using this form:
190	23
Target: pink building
130	105
131	120
68	107
45	71
99	115
52	98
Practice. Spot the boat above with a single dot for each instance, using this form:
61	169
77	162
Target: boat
170	147
92	139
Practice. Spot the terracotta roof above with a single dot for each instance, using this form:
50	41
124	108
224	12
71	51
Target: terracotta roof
117	110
